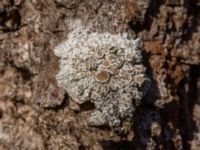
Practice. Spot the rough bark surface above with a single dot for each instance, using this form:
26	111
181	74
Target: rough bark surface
37	114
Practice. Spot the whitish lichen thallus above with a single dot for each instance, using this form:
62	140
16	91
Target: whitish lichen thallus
104	69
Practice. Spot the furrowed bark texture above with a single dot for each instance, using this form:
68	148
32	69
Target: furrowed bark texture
37	114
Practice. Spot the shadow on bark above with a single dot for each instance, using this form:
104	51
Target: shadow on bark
189	96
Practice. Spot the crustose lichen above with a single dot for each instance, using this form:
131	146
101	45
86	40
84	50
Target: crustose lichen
104	69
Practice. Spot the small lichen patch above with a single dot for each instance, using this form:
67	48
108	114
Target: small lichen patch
113	70
127	66
104	69
102	76
99	54
129	57
139	79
